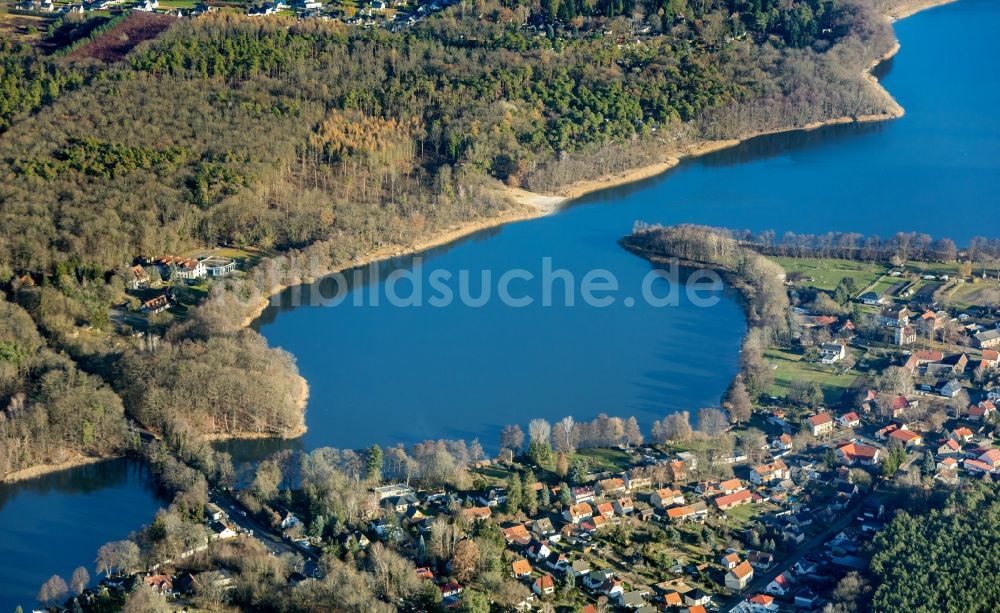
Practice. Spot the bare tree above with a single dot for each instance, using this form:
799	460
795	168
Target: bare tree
712	422
53	591
564	435
539	430
80	580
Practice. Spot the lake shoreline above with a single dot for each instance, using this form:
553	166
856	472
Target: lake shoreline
40	470
532	205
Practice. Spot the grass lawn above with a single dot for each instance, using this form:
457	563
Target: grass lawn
984	293
604	459
791	368
827	274
738	517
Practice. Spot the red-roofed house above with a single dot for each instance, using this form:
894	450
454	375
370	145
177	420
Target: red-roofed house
733	500
859	453
765	473
991	358
738	578
962	435
521	569
991	457
949	447
544	585
820	424
761	603
666	497
977	466
782	443
981	411
779	586
730	560
908	438
849	420
578	512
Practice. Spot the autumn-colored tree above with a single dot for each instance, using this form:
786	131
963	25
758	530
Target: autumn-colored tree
465	560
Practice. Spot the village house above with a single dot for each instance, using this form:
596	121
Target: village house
987	339
991	358
760	603
634	599
576	513
766	473
820	424
739	577
908	438
992	458
610	487
950	389
156	305
962	435
138	278
694	512
849	420
871	298
664	498
712	488
735	499
451	590
637	481
583	494
605	510
981	411
624	506
730	560
579	568
521	569
542	527
895	317
832	352
475	515
697	597
596	579
780	585
949	447
516	534
782	443
858	453
392	491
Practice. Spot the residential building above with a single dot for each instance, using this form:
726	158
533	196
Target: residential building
664	498
858	453
820	424
739	577
765	473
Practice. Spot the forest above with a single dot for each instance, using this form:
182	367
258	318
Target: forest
936	561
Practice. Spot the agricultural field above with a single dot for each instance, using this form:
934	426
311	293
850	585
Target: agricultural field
984	293
827	273
112	46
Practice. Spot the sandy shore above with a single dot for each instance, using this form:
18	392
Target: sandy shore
43	469
912	7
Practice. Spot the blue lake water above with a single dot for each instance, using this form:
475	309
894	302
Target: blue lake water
388	375
52	524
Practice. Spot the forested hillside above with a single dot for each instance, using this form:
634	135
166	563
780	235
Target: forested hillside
50	412
322	143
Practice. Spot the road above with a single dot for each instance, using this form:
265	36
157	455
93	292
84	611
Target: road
273	541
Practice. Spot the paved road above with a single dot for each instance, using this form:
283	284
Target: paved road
274	542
